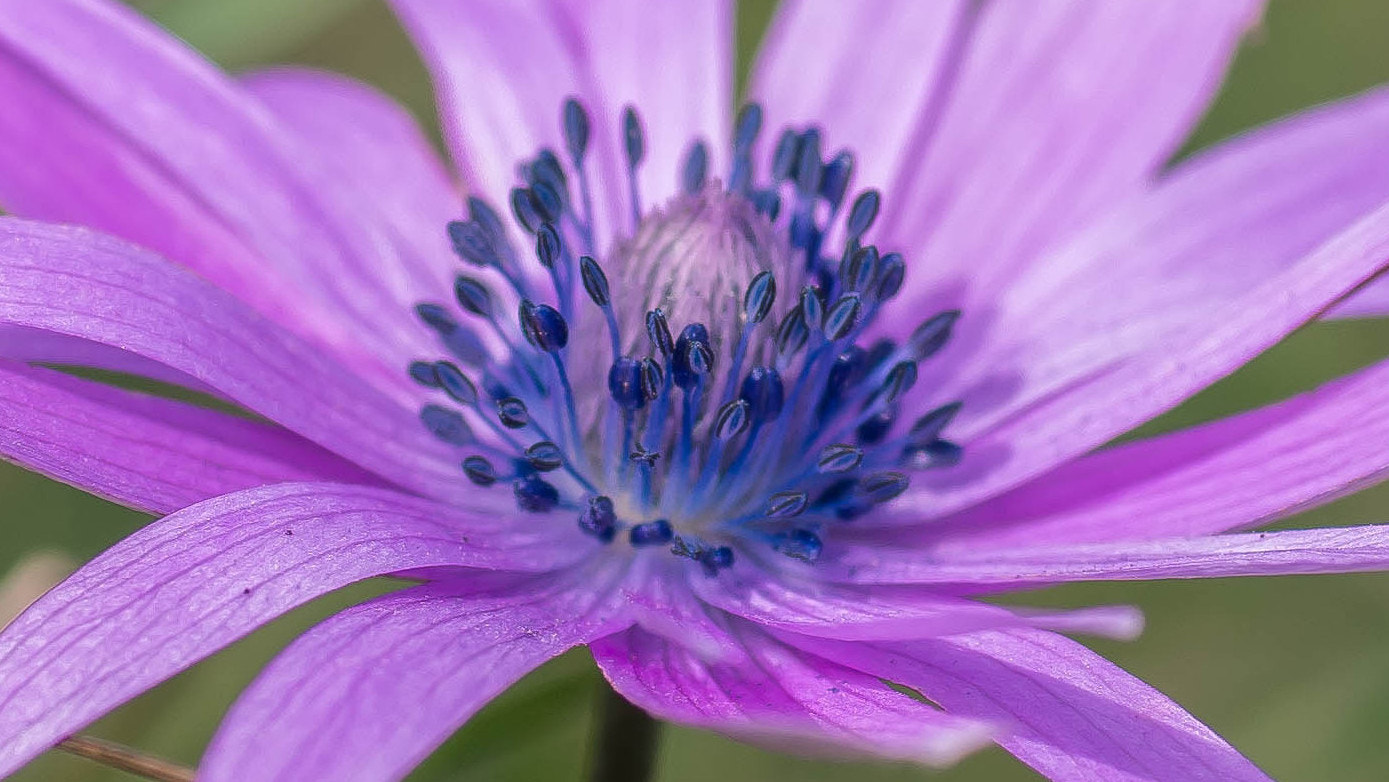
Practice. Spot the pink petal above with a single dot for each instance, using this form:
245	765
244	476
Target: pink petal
1007	125
784	697
1239	472
367	694
164	150
1074	716
84	285
153	454
1082	373
189	584
1332	550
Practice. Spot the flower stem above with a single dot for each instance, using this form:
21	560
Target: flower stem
624	747
109	753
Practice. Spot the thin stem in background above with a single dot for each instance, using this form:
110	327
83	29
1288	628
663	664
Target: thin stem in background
624	748
117	756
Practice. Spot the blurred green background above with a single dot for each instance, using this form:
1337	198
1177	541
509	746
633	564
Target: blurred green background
1293	671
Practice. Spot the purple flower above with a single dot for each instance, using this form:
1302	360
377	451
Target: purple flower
663	384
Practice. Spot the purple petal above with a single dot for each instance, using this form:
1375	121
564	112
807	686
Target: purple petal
153	454
167	152
1332	550
84	285
1239	472
370	692
189	584
1021	120
1082	373
783	696
675	67
1074	716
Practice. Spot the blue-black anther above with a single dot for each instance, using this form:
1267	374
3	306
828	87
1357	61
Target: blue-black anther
651	533
843	317
808	163
760	297
624	383
875	428
696	168
659	331
792	334
547	202
878	353
472	295
929	426
512	413
763	391
650	378
882	486
547	169
839	457
747	126
716	559
535	494
799	544
803	232
545	456
547	246
859	271
595	281
732	419
899	380
834	179
472	243
479	470
436	317
683	370
447	425
785	504
933	454
893	271
575	130
862	214
422	372
543	326
599	519
932	334
523	208
455	383
784	158
482	213
633	141
701	358
812	307
768	203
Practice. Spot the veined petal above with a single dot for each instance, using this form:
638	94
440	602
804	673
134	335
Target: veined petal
369	692
1066	712
168	152
1020	121
189	584
84	285
152	454
1240	472
783	696
1061	401
1331	550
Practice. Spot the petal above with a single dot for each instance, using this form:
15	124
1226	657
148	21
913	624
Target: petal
152	454
782	696
1074	716
167	152
675	66
1240	472
189	584
83	285
1332	550
1021	120
1083	373
368	693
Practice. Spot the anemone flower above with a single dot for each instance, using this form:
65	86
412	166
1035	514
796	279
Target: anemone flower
758	406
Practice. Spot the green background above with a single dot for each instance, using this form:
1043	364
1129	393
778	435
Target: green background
1293	671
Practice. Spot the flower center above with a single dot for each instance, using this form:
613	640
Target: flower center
716	398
